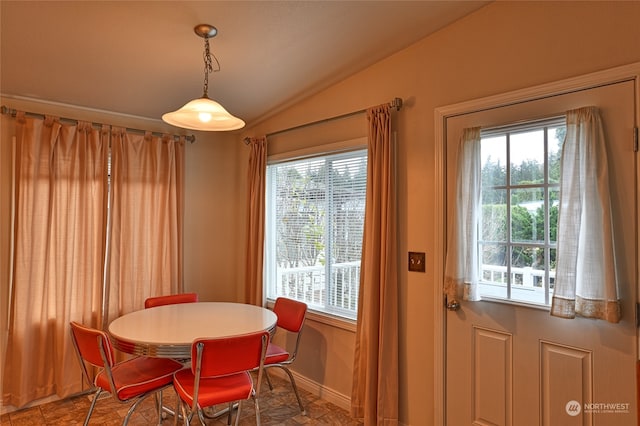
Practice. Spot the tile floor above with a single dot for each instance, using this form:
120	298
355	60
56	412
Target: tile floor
277	407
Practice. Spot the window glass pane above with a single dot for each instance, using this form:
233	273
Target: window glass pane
527	207
554	196
494	196
521	257
494	159
552	268
493	271
348	194
555	137
494	216
537	265
527	160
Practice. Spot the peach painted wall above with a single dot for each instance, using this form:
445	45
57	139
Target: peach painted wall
502	47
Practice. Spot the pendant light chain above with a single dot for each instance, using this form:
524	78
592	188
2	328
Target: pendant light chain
208	66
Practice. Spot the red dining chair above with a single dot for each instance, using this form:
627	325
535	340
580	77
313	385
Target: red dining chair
132	380
220	374
171	299
291	315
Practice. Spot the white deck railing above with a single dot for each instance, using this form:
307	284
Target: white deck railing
525	277
307	283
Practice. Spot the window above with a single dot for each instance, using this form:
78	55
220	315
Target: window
519	192
315	219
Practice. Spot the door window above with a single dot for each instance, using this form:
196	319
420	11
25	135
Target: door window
518	223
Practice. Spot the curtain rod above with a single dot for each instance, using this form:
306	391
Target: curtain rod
395	103
12	112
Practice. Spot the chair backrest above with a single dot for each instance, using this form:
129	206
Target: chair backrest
291	314
92	345
171	299
228	355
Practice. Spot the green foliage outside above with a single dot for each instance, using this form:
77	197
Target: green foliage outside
307	197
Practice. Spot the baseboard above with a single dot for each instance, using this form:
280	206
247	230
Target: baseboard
317	389
5	409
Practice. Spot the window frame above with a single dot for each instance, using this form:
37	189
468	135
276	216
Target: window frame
347	147
509	187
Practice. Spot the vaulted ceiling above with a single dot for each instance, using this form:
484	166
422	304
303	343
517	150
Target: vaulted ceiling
143	58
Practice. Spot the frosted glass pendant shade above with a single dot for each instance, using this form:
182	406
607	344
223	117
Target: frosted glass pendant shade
203	114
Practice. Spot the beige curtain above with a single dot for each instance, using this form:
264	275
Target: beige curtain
146	220
60	206
586	279
462	267
374	396
255	220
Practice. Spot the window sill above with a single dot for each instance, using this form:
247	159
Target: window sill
330	320
521	303
337	322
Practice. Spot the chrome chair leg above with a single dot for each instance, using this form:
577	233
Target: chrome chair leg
238	414
257	408
266	375
177	412
133	407
295	388
93	405
159	406
201	417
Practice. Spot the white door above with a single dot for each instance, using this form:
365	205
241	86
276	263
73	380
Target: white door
511	364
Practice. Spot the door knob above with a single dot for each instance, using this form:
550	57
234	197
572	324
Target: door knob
453	305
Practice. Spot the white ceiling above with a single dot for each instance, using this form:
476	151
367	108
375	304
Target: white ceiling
143	57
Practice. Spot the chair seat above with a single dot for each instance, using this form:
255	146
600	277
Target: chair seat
213	391
275	354
139	375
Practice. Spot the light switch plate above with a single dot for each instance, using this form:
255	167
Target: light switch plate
417	261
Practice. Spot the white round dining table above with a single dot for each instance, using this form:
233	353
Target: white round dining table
168	331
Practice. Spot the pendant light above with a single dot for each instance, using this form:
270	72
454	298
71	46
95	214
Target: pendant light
204	113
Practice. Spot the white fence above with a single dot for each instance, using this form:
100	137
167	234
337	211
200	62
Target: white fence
526	277
307	283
